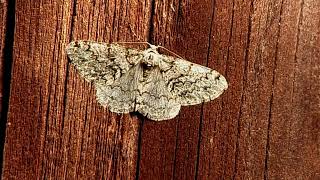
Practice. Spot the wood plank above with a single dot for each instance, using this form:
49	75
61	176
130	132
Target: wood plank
55	127
3	24
265	126
254	120
3	57
106	144
236	132
219	143
41	33
295	119
170	148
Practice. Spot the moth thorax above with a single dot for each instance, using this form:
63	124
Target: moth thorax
151	59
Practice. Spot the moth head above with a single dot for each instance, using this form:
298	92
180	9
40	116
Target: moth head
151	56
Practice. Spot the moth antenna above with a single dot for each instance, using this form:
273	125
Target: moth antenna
170	52
145	42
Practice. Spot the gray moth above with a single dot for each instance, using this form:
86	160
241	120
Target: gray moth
153	84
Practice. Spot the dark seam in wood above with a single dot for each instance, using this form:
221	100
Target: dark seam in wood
30	27
119	20
67	64
226	73
265	172
74	14
115	152
258	49
74	9
46	122
45	129
229	41
175	148
141	118
90	18
128	25
47	115
31	33
99	14
109	145
166	26
151	26
272	95
202	105
44	175
296	47
244	85
149	39
97	145
178	16
113	19
96	139
7	69
45	132
54	55
106	5
67	146
97	24
82	139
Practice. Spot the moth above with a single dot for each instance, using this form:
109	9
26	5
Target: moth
153	84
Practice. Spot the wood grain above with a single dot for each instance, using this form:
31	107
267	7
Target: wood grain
3	21
105	144
169	149
37	88
55	128
3	24
265	126
219	151
294	134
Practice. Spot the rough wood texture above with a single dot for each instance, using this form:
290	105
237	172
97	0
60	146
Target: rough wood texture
265	126
55	127
3	58
3	20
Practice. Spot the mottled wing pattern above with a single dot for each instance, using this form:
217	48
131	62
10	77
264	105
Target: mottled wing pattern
192	83
101	62
155	100
120	97
155	85
112	68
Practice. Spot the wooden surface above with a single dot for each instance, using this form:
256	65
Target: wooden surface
3	14
3	21
5	61
265	126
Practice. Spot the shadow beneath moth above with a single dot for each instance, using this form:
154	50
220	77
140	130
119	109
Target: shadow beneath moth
153	84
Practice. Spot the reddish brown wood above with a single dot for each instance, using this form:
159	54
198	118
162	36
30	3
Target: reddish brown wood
236	129
3	22
293	150
3	60
37	87
254	119
228	54
55	127
169	149
265	126
106	144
